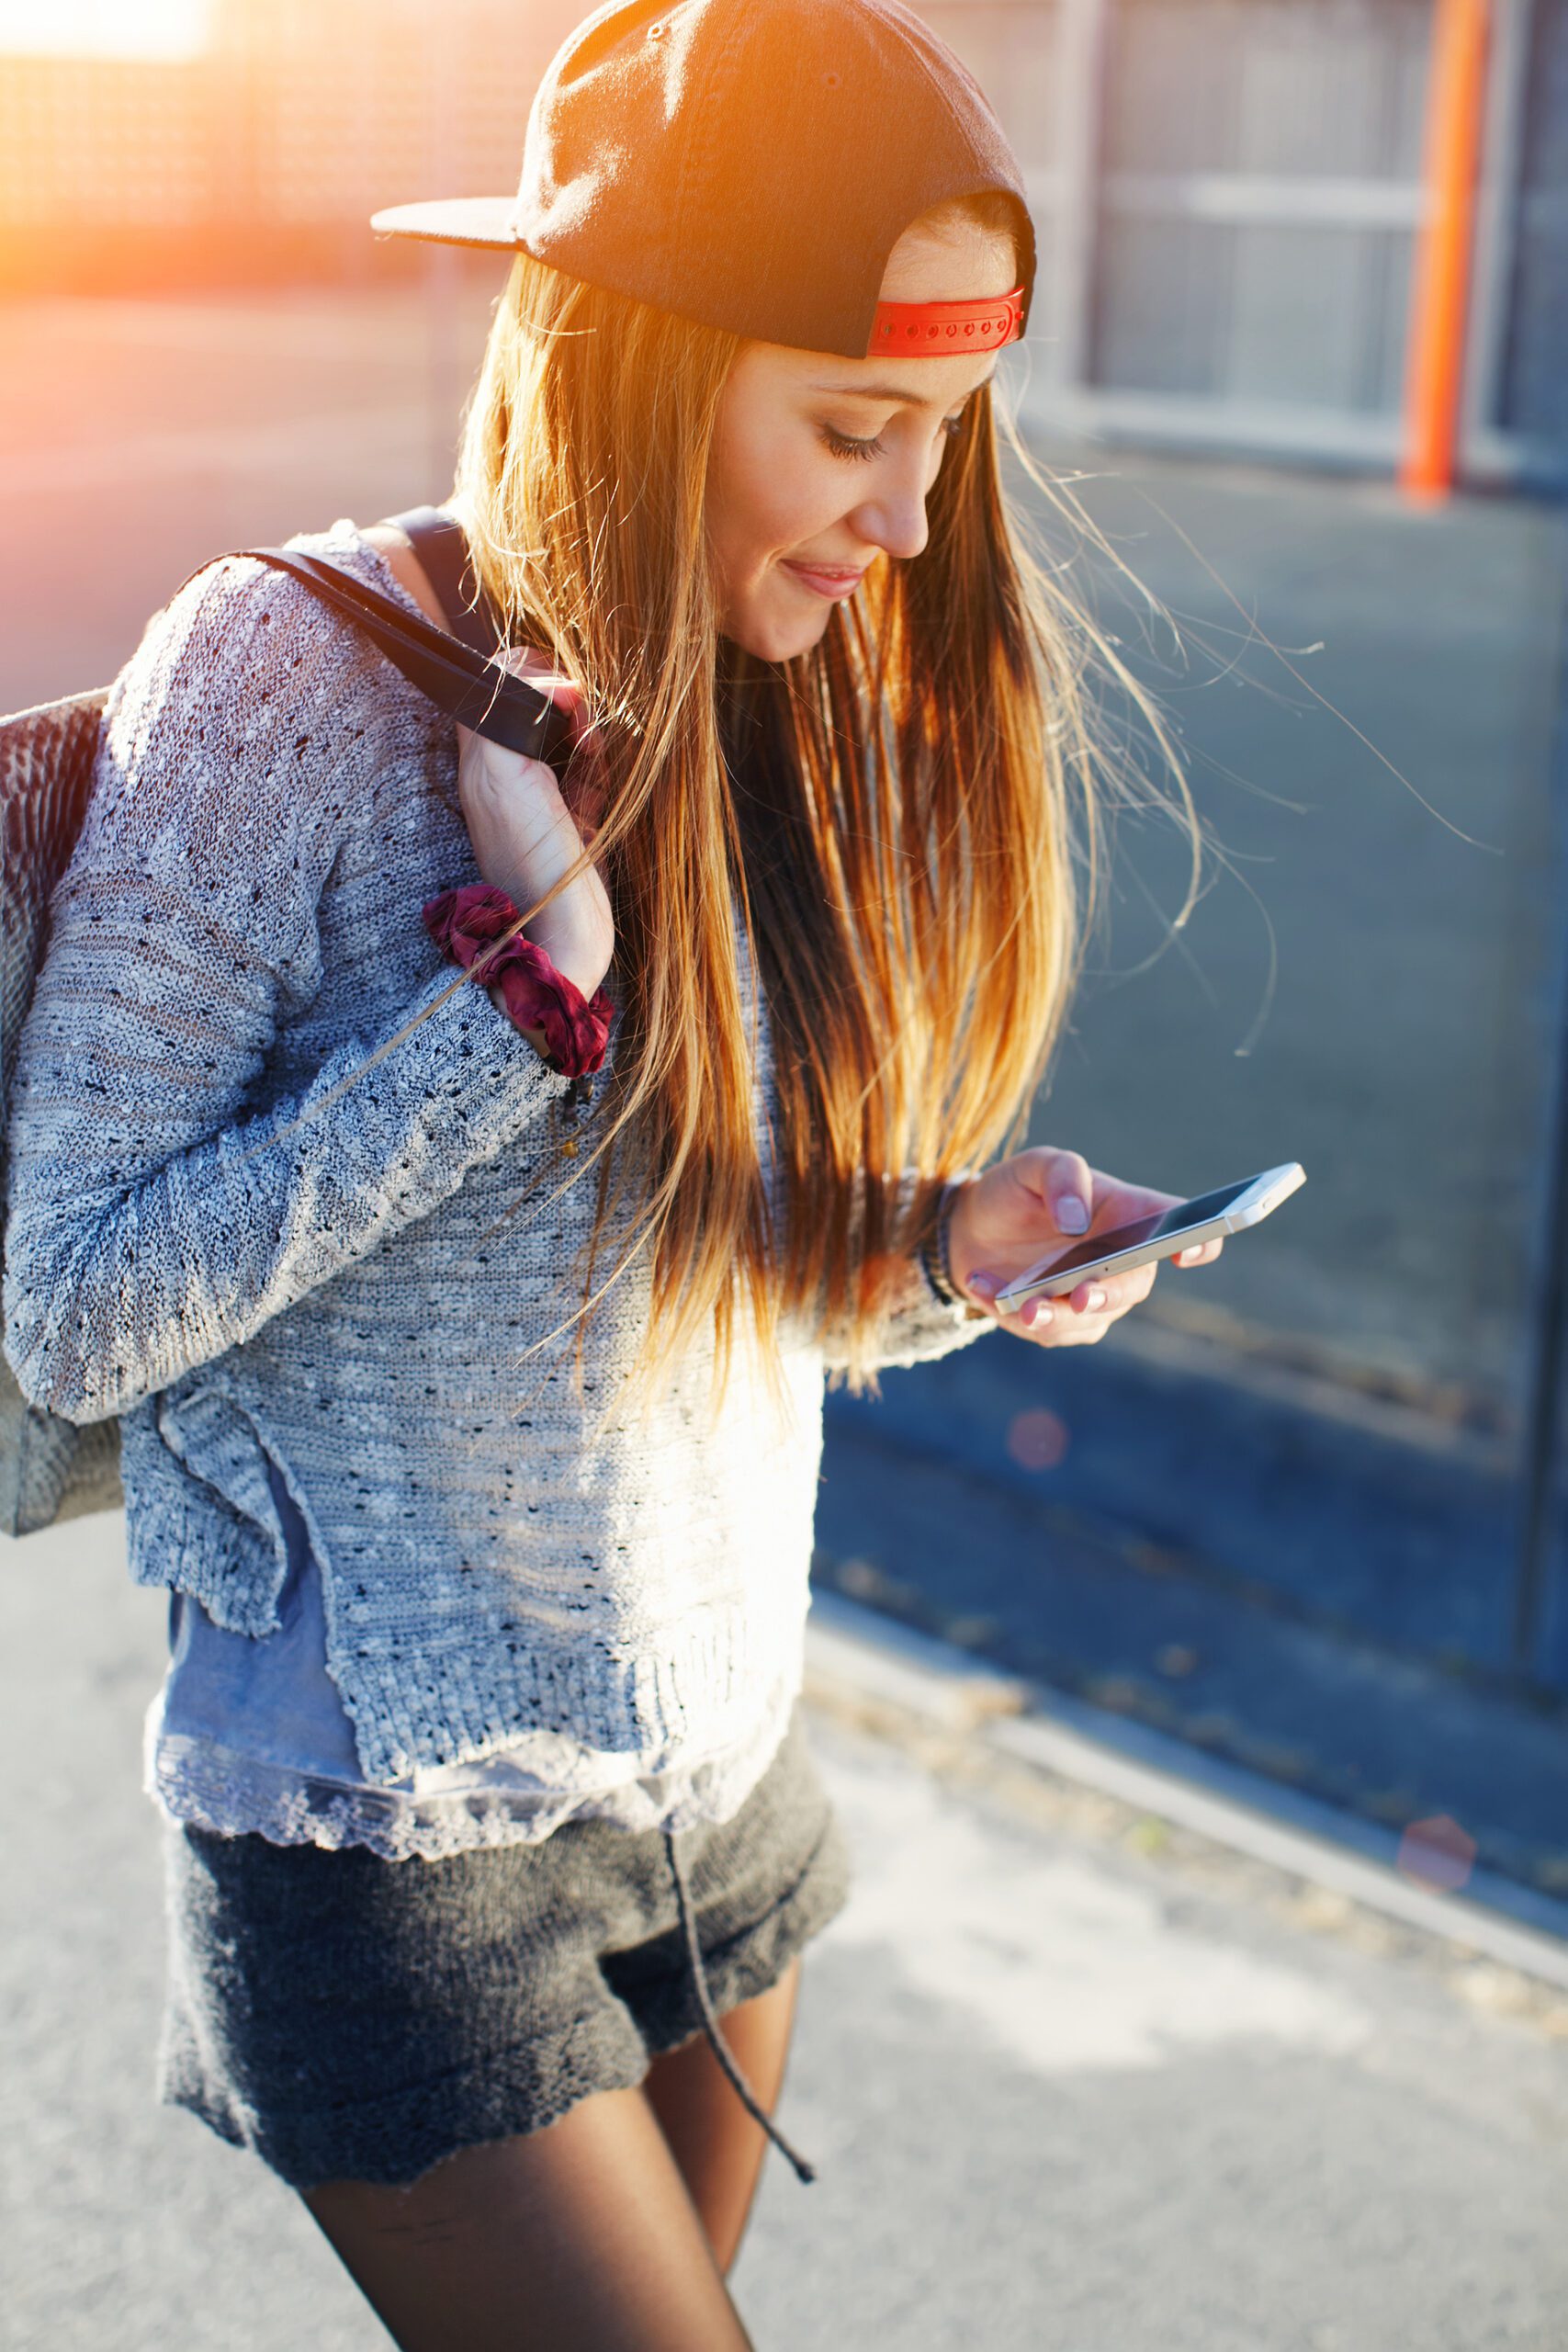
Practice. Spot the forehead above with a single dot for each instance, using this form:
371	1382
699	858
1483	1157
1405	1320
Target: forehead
961	264
921	383
769	372
778	370
967	263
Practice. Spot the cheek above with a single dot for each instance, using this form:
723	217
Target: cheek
774	493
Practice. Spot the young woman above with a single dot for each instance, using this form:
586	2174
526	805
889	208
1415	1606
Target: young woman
484	1507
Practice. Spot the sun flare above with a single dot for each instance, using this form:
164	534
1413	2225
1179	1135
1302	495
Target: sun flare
104	28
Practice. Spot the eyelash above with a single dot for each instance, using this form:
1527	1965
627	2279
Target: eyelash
843	446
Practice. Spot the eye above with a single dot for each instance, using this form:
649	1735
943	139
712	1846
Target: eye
843	446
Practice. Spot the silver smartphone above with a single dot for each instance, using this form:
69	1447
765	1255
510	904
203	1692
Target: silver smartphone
1230	1210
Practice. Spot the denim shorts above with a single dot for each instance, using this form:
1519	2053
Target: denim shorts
349	2017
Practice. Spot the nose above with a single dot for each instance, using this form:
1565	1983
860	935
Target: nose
894	519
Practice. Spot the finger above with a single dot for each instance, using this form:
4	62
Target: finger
585	777
1070	1190
1063	1330
573	702
1062	1180
539	671
586	802
1104	1300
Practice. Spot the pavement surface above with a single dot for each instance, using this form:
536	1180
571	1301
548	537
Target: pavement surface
1075	2082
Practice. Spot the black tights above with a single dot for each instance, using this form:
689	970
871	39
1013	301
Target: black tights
611	2230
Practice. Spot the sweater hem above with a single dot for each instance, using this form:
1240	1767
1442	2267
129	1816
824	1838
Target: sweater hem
641	1705
231	1794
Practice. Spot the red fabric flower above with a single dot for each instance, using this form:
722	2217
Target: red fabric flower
465	923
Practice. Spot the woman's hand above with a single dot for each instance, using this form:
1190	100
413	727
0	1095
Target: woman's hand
528	829
1010	1217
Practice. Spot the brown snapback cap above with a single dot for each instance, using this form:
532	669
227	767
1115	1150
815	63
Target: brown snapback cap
750	164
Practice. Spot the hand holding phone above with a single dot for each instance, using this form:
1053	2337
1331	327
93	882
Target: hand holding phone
1231	1209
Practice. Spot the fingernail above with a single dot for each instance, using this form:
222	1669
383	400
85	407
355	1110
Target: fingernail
1096	1298
984	1285
1071	1214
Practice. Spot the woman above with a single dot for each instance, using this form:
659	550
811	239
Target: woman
479	1748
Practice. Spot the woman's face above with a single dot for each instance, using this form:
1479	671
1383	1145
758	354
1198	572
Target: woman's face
820	464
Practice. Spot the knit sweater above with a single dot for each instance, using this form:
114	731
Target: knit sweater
238	928
252	1735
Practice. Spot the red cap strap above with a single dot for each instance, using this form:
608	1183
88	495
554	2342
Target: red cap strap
930	330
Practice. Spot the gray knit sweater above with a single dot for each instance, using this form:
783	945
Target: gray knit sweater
239	926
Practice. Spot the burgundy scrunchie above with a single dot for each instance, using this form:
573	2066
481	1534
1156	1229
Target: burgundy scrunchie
464	922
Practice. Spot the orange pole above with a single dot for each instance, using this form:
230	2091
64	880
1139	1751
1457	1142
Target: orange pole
1440	288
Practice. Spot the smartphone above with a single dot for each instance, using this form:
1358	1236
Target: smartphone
1230	1210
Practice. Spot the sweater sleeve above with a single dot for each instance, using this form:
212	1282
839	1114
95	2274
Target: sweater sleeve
918	1326
153	1219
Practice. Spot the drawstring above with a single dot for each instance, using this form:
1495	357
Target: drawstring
743	2090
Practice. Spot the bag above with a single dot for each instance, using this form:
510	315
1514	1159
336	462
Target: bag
51	1470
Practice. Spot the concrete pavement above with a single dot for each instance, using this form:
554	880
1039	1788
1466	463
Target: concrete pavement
1076	2081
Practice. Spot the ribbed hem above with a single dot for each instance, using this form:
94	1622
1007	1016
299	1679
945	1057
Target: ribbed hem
395	2139
684	1683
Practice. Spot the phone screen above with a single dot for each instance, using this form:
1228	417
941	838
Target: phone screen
1160	1227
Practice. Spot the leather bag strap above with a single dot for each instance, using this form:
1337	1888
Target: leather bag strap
458	680
442	546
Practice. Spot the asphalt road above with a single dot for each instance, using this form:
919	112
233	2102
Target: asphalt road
1073	2085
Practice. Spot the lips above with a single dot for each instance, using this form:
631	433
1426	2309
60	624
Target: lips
827	579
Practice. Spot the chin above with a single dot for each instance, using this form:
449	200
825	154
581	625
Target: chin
770	639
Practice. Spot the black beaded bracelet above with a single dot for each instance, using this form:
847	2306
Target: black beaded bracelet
934	1253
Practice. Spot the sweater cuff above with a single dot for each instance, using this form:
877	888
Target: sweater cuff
468	1055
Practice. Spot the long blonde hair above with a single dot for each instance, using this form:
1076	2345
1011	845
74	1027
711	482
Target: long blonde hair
900	815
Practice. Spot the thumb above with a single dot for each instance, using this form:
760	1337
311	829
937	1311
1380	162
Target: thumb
1065	1183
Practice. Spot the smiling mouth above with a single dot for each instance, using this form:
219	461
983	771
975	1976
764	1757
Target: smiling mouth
825	579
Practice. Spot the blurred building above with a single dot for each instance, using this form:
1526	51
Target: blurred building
265	155
351	104
98	142
1228	191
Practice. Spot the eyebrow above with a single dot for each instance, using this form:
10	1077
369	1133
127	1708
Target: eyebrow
898	392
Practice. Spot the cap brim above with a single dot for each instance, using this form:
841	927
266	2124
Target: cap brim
456	220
